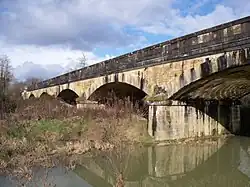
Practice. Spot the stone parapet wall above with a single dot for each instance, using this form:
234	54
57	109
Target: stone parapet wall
206	42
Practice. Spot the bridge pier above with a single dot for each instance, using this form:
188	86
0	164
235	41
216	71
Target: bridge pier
180	121
81	103
86	104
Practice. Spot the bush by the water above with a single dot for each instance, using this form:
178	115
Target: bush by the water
44	132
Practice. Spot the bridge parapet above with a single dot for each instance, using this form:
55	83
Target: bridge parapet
216	39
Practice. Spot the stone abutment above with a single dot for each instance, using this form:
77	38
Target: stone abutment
181	121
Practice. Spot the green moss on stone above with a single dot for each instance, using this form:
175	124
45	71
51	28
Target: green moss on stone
156	98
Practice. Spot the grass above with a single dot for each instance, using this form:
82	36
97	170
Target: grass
43	126
45	133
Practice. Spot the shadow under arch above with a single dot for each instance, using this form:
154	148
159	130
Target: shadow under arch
45	95
229	84
244	115
32	96
219	96
69	96
117	90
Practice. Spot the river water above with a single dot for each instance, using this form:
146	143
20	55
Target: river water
222	163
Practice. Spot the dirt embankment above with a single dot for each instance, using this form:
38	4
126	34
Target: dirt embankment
46	132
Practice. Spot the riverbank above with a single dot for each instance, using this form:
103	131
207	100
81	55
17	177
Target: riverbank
45	133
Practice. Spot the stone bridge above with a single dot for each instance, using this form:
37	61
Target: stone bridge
194	85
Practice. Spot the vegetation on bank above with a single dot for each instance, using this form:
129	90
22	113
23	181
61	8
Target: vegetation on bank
45	133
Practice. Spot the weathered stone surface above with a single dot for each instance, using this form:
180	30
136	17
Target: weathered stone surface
206	42
88	104
173	81
166	67
180	122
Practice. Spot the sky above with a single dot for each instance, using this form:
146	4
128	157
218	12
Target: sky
42	37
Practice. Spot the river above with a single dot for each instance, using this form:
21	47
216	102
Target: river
222	163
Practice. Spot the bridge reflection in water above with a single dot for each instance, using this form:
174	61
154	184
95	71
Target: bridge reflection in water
223	163
218	163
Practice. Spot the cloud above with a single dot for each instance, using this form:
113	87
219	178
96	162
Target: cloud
176	24
71	23
31	70
31	61
49	32
87	24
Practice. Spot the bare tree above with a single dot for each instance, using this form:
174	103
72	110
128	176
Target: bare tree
15	89
82	61
5	74
5	80
32	81
79	63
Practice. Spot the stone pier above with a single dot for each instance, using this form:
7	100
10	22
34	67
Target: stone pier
180	121
82	103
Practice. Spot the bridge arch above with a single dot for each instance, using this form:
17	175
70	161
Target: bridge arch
32	96
131	79
230	84
223	78
207	91
45	95
117	90
68	95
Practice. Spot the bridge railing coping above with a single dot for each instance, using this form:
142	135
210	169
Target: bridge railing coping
176	48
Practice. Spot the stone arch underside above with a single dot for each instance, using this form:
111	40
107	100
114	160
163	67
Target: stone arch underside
224	96
221	78
230	84
45	95
135	79
69	96
117	90
31	96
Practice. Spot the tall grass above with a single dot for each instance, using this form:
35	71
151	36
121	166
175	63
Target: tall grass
45	132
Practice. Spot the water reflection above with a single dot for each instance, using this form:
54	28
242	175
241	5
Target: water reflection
217	163
55	177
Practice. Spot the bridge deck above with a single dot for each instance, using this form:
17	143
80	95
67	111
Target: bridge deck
221	38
